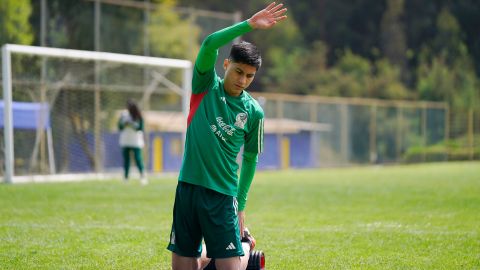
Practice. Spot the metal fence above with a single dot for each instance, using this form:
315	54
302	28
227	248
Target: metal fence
363	131
122	26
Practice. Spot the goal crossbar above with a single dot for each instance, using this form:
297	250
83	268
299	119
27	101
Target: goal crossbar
98	56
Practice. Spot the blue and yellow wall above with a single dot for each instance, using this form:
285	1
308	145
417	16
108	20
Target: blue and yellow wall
164	152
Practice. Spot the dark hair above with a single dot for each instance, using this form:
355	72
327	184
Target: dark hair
133	110
246	53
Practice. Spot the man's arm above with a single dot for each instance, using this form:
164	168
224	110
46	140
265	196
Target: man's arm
263	19
208	53
268	17
249	165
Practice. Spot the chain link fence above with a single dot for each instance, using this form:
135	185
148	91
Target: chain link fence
364	131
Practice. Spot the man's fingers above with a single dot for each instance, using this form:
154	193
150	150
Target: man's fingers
280	18
275	8
270	6
279	13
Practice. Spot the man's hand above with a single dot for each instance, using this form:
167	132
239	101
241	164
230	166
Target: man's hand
268	16
241	222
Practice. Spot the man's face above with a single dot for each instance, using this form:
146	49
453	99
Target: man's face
238	76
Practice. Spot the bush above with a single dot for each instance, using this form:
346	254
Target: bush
440	152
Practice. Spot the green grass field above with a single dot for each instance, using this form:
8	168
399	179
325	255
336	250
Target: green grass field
402	217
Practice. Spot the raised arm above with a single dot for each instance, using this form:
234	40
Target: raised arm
268	17
209	50
264	19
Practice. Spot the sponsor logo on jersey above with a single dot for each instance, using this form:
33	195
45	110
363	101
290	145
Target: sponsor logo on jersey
241	120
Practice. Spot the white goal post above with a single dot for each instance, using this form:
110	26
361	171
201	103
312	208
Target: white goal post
182	89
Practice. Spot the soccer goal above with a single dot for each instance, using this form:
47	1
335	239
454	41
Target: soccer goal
60	108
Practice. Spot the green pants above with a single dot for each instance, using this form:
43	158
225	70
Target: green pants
137	152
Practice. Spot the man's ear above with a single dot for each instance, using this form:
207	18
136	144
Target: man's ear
226	62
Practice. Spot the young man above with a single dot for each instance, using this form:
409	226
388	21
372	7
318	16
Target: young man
210	200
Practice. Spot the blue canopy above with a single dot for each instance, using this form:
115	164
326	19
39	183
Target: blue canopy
27	115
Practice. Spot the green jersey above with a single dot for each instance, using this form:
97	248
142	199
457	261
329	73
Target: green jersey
218	124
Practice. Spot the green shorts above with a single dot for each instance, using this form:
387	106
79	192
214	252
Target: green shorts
204	213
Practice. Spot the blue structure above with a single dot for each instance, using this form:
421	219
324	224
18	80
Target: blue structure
300	152
31	116
28	115
288	143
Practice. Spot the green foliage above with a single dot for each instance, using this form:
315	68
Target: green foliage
456	84
297	71
425	154
439	153
70	24
386	82
451	150
171	36
14	24
436	82
448	40
282	55
305	72
286	35
352	74
446	72
393	41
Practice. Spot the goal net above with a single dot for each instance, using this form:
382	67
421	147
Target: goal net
60	109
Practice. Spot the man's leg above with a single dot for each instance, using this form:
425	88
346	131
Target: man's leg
185	237
221	264
235	263
228	263
204	260
218	217
244	258
184	263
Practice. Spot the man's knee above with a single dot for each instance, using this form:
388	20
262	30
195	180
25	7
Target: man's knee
184	263
228	263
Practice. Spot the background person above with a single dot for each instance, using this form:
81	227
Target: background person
131	128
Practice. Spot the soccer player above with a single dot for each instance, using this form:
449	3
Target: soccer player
210	199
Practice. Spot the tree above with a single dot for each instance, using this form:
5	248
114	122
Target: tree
393	41
70	24
386	82
14	24
446	72
170	35
297	71
281	48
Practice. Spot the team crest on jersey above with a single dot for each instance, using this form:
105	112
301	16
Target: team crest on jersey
241	120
